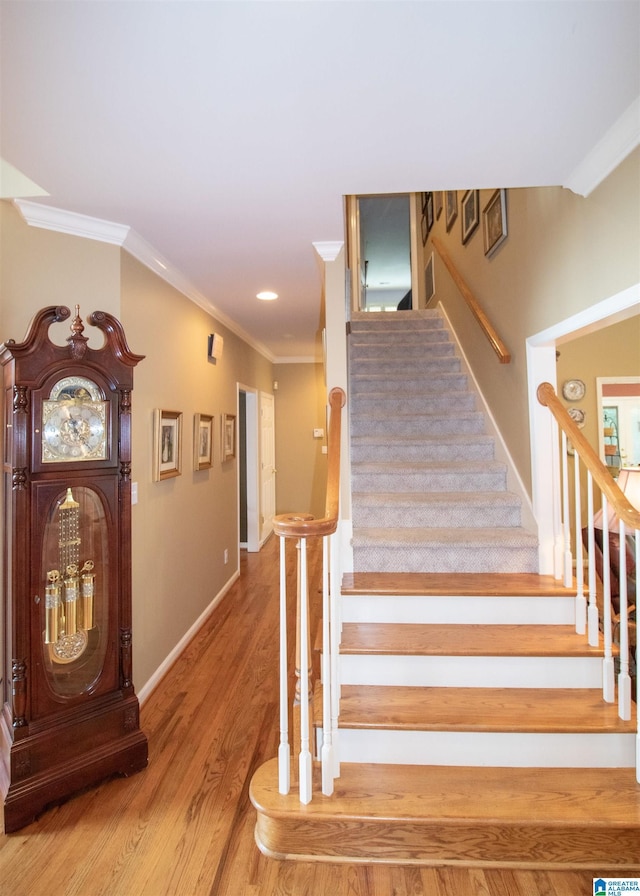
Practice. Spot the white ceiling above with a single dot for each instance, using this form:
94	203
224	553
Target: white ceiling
225	134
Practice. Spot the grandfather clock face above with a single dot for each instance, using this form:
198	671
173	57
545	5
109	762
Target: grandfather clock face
74	422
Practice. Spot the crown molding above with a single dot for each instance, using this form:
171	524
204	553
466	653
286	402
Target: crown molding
328	251
619	141
47	217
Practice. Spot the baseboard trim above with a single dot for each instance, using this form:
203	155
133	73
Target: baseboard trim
152	683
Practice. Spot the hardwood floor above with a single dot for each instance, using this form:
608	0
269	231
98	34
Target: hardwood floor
184	826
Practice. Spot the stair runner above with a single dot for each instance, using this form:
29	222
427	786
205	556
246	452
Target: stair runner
427	493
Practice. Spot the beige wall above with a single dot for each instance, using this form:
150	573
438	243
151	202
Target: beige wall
39	268
300	403
183	525
563	253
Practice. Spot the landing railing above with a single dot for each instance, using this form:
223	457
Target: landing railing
612	537
302	526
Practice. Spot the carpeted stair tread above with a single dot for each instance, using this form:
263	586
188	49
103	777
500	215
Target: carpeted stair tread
428	494
433	537
451	509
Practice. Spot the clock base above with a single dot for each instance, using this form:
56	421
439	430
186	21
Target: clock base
49	766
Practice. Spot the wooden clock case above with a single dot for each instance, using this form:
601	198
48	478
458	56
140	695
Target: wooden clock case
65	724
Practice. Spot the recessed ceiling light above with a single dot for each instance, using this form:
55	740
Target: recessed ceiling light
267	296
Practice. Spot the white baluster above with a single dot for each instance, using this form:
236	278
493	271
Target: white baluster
581	603
593	616
637	554
305	754
624	679
327	740
284	753
608	673
335	628
568	572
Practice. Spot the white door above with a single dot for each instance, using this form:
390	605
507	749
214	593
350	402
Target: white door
267	465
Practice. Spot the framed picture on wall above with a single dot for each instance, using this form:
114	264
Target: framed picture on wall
228	436
424	229
451	208
429	279
437	201
167	448
428	211
470	207
202	441
494	222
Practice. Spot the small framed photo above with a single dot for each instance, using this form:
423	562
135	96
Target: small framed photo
202	441
428	211
451	208
228	436
424	229
429	279
470	207
438	203
167	449
494	221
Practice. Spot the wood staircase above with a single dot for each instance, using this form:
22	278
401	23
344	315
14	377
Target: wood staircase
484	742
472	726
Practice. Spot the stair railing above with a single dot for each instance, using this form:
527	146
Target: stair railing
617	515
302	526
467	294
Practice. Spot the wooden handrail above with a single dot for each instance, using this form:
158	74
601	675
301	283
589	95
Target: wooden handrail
485	325
304	525
624	510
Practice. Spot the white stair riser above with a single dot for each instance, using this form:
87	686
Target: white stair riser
502	749
496	610
471	671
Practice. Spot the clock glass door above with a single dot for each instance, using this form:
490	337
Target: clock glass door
73	604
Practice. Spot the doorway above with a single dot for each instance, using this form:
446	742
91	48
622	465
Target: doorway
381	233
248	464
267	465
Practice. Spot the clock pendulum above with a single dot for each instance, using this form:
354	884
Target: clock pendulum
69	597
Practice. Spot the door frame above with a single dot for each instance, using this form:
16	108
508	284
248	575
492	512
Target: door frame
541	367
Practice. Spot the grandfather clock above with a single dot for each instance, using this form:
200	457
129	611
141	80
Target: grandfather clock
70	716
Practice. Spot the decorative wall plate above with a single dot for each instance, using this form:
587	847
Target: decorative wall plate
577	416
573	390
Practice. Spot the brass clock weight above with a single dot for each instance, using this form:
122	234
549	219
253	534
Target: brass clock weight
70	716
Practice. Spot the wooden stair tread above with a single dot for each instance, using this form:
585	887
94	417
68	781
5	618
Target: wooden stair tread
431	815
461	584
464	640
480	709
521	795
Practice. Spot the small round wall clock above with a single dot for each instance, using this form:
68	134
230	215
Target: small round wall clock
573	390
577	416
